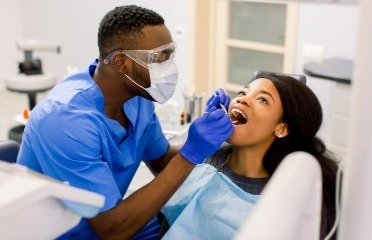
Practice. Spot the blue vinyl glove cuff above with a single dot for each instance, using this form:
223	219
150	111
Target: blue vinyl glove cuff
206	134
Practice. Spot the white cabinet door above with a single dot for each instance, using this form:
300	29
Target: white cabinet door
229	40
253	36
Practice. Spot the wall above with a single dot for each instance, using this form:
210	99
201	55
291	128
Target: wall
11	30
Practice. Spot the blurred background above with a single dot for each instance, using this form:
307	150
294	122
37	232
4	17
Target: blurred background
220	43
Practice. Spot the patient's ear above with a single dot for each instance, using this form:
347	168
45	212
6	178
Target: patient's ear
281	130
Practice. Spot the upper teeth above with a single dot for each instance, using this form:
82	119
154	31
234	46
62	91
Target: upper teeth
236	111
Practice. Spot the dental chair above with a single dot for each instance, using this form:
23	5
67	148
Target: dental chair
301	78
290	204
9	150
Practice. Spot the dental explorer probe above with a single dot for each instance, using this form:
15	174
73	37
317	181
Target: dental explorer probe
222	106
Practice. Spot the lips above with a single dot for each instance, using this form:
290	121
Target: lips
238	117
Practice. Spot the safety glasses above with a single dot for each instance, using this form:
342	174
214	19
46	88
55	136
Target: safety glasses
145	57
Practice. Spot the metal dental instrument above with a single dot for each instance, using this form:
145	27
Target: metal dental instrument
222	106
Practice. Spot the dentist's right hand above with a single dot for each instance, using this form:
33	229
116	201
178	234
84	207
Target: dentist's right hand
206	134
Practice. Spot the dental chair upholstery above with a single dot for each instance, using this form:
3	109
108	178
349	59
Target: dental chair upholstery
299	77
9	150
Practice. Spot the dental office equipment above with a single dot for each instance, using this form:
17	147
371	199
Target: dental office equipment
296	186
31	78
356	209
198	102
33	206
192	104
32	66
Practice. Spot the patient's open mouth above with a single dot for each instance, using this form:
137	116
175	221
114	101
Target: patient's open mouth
238	117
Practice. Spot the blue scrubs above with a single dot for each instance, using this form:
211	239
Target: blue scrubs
70	138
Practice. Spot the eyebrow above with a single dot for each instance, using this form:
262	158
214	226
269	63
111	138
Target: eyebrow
261	92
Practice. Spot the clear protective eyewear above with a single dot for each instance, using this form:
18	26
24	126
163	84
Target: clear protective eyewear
145	57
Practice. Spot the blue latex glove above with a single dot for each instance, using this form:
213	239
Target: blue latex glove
206	134
213	102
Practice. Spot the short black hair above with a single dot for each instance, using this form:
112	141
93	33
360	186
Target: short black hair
121	27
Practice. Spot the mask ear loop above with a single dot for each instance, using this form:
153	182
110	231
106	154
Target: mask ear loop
134	82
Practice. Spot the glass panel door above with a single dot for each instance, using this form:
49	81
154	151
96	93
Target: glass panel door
243	62
258	22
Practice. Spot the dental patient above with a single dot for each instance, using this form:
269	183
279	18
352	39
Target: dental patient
274	115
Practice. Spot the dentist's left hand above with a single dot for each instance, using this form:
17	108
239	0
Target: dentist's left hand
214	101
206	134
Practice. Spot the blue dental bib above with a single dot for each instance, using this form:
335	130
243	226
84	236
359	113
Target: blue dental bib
207	206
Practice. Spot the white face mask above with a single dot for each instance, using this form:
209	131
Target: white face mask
164	78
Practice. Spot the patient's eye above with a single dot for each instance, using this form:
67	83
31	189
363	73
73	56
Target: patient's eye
263	100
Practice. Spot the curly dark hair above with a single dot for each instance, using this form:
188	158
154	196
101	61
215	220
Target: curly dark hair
303	114
121	28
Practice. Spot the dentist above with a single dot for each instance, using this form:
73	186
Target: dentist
96	126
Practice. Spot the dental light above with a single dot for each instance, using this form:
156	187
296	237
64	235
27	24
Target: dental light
33	206
31	66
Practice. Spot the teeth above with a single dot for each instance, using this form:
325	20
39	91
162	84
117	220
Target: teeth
236	112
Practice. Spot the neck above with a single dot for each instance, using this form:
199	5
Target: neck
114	92
247	163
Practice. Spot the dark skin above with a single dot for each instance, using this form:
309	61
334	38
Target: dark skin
130	215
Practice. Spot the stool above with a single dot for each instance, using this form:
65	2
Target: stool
9	151
31	85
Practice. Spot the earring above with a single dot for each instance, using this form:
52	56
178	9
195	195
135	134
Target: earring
280	136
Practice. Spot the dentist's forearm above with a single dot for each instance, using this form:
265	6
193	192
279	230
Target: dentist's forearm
131	214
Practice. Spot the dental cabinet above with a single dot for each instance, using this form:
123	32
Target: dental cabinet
339	71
